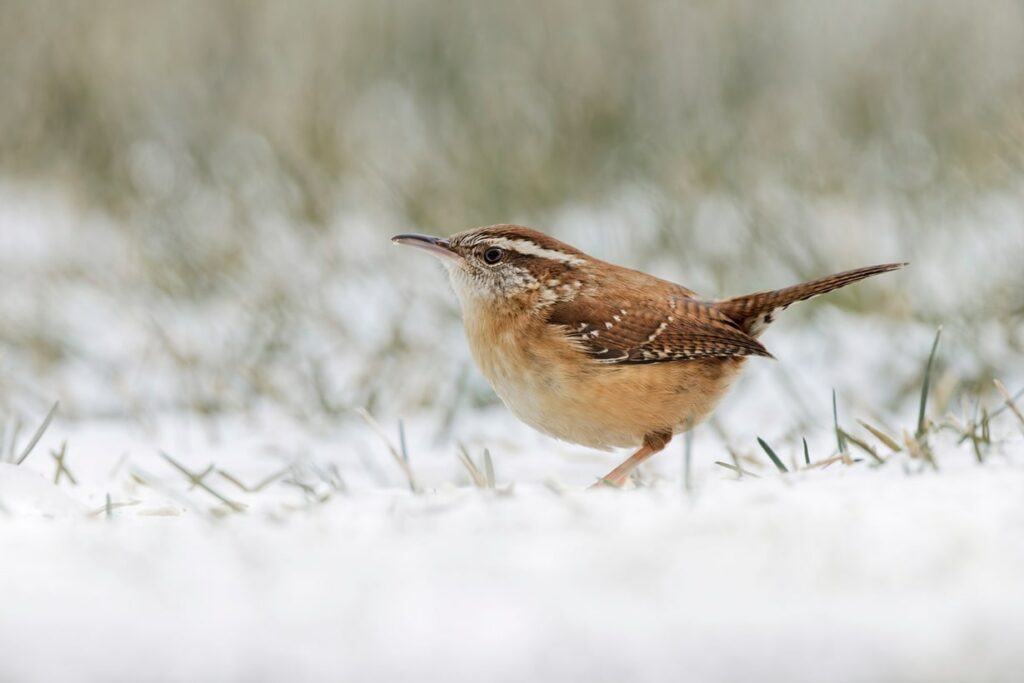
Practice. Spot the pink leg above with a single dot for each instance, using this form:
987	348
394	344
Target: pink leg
653	443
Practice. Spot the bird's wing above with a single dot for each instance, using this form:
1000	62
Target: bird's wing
652	331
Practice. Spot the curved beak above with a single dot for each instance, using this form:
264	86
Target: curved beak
434	245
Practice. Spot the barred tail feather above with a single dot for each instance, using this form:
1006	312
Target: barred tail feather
754	312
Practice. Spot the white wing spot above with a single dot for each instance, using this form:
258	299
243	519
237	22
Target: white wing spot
654	335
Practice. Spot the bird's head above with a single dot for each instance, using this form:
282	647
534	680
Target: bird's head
507	266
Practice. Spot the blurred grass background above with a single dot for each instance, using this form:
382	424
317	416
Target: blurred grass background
195	197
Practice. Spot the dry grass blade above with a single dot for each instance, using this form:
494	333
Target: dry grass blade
1010	403
402	448
259	486
737	469
109	506
882	436
839	457
1016	397
62	467
197	481
863	446
39	434
918	448
477	477
395	453
489	469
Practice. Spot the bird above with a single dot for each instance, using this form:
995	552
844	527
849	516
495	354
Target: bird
598	354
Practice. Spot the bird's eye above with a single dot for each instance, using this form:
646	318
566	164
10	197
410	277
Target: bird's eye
493	255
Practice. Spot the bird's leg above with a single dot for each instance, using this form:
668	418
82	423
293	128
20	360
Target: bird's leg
653	443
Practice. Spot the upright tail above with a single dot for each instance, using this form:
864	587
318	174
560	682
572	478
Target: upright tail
754	312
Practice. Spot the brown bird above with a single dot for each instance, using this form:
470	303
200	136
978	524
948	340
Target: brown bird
597	354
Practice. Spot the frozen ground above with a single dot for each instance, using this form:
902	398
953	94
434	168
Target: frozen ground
291	546
335	570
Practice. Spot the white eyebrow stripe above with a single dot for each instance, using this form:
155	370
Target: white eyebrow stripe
529	248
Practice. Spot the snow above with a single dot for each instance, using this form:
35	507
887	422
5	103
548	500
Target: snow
330	568
842	573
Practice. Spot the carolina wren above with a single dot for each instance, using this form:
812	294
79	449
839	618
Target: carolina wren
597	354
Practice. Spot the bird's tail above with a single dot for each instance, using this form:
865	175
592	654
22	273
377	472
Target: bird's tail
754	312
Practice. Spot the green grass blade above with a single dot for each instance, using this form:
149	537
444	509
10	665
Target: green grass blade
401	442
840	441
771	454
38	435
489	468
927	384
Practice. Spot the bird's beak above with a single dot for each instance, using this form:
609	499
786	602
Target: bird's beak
434	245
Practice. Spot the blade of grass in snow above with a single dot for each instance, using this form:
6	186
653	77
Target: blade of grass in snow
1016	397
478	479
259	486
1001	388
881	436
771	454
108	505
737	469
39	434
862	446
395	453
197	481
62	467
401	442
927	384
840	442
489	468
807	453
828	461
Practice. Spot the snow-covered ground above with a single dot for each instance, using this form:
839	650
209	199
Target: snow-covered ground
335	570
231	517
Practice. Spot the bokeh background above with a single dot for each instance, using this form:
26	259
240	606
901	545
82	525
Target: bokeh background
195	197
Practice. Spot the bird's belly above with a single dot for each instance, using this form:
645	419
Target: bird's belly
604	406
